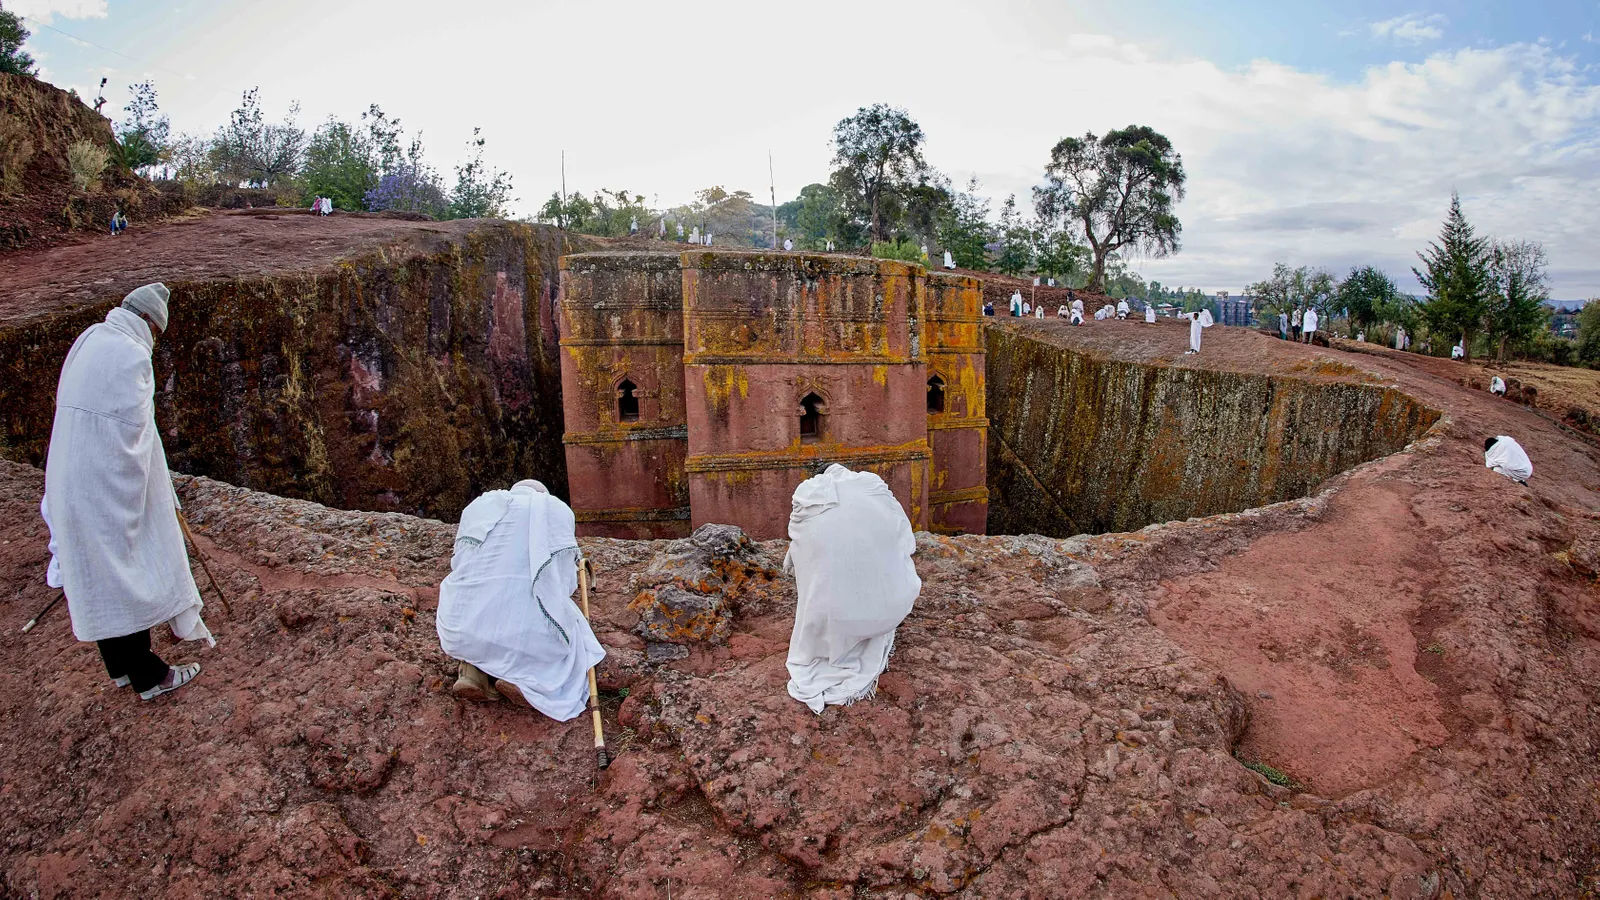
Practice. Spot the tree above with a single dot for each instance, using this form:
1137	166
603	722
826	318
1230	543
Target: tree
12	36
1056	255
1116	191
964	228
1589	334
814	217
144	136
480	192
1290	289
341	164
571	213
1517	312
877	158
1457	278
249	149
1016	240
1365	294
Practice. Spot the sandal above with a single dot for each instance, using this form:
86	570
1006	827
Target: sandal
177	677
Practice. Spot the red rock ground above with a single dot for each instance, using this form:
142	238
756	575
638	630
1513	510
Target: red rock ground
1417	647
208	245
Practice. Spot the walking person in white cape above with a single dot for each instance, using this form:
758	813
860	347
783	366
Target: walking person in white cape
1197	321
108	500
506	610
850	550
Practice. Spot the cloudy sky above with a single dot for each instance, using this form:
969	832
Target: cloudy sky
1314	133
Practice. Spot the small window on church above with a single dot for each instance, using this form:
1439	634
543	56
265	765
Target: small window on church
936	394
810	418
627	403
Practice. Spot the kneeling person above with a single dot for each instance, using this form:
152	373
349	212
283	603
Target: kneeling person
506	607
850	550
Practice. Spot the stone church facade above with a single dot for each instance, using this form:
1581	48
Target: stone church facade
704	386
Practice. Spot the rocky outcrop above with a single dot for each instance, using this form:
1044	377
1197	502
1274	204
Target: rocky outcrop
38	202
411	374
1081	442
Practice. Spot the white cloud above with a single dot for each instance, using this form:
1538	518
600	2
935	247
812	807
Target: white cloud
46	10
1412	28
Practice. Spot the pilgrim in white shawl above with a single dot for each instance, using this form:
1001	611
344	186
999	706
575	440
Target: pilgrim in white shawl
850	550
1497	385
1308	324
1197	321
116	544
1038	311
1506	456
1016	303
1149	314
1122	308
949	261
506	609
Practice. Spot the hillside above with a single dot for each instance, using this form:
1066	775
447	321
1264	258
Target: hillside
39	206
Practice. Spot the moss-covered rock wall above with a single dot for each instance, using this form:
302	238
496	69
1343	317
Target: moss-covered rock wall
400	379
1079	443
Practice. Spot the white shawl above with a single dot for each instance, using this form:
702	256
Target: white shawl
108	494
850	550
506	606
1309	322
1509	459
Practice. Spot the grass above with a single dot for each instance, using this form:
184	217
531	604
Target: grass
1269	773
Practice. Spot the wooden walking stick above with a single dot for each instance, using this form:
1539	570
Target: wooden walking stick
49	606
183	521
601	757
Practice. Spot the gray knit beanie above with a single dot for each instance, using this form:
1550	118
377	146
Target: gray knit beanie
150	300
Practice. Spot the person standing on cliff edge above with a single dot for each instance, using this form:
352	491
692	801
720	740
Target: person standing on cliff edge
110	504
850	547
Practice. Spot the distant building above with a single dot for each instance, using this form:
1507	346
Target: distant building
1230	310
1564	316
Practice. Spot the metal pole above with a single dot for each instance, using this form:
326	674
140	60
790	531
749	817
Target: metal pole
561	207
772	182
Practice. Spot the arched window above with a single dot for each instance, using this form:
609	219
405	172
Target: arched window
811	407
627	403
936	394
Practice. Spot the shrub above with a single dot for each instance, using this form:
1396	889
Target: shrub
907	251
15	151
86	160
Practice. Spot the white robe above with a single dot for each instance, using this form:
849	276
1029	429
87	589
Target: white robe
108	494
1122	309
1077	306
850	549
1497	385
1509	459
949	261
1399	338
1038	311
1150	314
1016	303
506	606
1308	324
1197	321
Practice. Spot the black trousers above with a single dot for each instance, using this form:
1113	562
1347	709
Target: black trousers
132	657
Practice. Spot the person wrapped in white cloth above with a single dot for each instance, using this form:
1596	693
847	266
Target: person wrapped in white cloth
1506	456
1197	321
850	550
117	549
506	610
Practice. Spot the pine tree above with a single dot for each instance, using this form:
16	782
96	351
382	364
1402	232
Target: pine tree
1457	278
